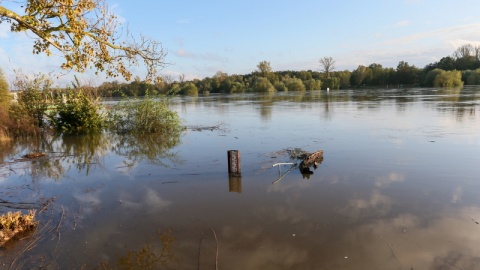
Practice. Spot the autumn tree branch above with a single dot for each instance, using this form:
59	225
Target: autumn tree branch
87	35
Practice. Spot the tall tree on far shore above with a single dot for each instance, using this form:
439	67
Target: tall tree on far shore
264	67
86	34
360	74
327	65
467	57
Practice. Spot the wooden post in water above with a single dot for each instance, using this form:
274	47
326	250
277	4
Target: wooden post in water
234	171
234	162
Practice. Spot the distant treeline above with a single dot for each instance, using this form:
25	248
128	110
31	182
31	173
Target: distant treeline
463	67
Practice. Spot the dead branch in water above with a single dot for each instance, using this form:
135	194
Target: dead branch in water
393	254
216	241
58	228
16	205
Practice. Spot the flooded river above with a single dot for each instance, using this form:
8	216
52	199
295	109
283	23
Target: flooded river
398	187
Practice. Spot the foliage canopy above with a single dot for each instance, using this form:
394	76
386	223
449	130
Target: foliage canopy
87	35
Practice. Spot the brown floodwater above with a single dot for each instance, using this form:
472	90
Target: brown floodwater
398	187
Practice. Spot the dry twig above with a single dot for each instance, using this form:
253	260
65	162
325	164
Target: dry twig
216	241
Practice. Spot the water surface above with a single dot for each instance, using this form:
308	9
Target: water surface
398	187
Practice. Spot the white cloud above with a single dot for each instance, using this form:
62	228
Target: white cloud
209	57
89	201
184	53
175	75
442	243
455	43
446	34
383	181
457	195
403	23
417	49
151	201
184	21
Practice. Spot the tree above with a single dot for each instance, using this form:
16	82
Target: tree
378	76
446	63
452	78
295	84
189	89
467	57
331	83
33	96
344	77
466	50
264	67
431	75
328	65
474	77
262	84
313	84
360	74
5	96
407	74
86	34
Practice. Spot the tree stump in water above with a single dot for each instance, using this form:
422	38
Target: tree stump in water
311	160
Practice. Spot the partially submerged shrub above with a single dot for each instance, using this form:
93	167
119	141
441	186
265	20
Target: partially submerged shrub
295	84
451	78
262	84
77	113
148	115
34	96
13	223
20	123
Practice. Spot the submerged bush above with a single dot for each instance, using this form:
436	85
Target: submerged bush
79	113
148	115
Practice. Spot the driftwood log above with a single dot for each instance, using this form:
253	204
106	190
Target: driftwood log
311	160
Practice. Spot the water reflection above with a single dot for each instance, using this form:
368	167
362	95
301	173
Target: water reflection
153	255
234	183
154	148
87	152
366	99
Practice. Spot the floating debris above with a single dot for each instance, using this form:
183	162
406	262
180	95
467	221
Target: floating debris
218	127
34	155
312	159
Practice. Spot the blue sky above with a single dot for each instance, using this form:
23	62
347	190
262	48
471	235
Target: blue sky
203	37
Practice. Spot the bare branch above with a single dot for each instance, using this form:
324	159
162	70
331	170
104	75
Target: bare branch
328	65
